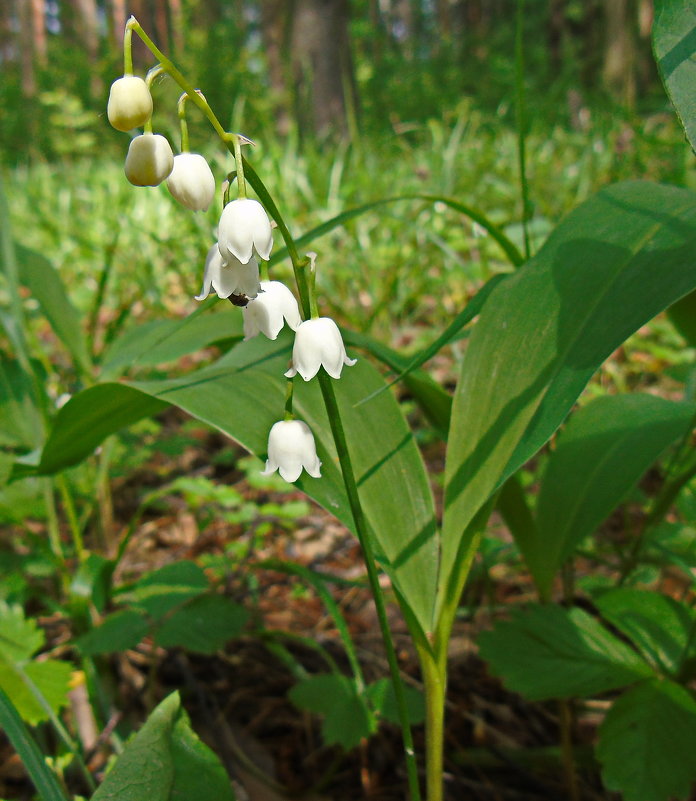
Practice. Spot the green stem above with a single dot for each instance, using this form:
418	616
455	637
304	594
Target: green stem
362	531
239	163
311	286
434	669
233	143
128	51
71	515
52	523
521	115
168	66
289	387
183	125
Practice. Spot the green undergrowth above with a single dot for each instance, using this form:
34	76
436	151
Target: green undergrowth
407	264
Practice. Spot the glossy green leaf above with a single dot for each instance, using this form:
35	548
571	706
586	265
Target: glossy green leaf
165	761
661	628
162	590
546	651
613	264
674	43
243	395
45	284
161	341
88	418
599	457
647	743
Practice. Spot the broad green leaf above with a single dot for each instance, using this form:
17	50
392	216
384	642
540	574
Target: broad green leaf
347	718
660	627
19	637
546	651
203	625
613	264
166	588
647	743
601	454
165	761
19	417
36	688
33	760
44	283
88	418
242	395
92	580
160	341
674	43
118	632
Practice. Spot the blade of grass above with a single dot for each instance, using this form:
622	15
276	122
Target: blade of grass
44	780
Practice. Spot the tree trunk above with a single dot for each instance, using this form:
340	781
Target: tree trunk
26	47
38	20
322	66
619	73
118	21
274	32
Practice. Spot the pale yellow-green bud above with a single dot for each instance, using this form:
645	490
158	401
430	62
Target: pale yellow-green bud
149	160
130	103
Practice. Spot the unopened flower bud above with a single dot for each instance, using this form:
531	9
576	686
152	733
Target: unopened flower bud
149	160
244	227
318	343
130	103
192	182
291	447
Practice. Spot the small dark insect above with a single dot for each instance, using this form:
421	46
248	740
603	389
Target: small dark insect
238	300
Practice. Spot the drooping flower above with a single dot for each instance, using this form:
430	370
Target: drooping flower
266	312
229	278
130	103
244	227
318	343
149	160
290	448
191	181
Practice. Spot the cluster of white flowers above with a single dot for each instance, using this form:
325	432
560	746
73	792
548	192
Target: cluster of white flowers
150	159
232	269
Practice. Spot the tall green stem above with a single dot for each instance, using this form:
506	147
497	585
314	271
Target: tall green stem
434	667
521	114
361	528
299	264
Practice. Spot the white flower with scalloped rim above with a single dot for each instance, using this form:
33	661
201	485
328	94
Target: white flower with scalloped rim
149	160
318	343
191	181
244	227
229	278
265	314
130	103
290	448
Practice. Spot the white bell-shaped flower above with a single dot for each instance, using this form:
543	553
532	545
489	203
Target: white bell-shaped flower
290	448
149	160
130	103
265	314
318	343
229	278
191	181
244	227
